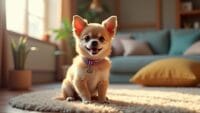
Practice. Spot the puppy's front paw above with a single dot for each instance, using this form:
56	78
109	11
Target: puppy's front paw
86	101
94	98
70	99
104	101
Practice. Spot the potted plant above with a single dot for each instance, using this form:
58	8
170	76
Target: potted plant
20	78
46	37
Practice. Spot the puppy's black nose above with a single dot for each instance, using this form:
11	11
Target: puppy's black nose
94	43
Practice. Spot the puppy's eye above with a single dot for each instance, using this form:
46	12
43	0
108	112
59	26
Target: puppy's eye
87	38
101	39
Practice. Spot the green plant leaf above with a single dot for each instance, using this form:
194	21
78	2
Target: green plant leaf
66	25
13	44
64	31
14	52
24	40
20	41
20	53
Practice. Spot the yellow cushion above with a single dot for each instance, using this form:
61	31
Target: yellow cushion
169	72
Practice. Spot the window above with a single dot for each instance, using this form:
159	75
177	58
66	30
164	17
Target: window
26	16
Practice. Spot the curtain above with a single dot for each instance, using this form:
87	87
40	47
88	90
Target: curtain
3	52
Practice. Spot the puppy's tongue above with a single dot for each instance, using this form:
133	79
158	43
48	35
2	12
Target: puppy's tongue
94	51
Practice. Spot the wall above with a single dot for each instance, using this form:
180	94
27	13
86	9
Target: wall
138	11
41	62
144	11
169	14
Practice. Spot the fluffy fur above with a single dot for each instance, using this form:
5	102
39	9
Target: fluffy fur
93	42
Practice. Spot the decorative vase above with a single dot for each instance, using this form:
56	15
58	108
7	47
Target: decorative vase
20	79
46	38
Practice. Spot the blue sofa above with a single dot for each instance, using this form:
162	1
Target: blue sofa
164	44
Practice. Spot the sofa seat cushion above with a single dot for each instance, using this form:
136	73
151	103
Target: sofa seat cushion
181	40
169	72
158	40
131	64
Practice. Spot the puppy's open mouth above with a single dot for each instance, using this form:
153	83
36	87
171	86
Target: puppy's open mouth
93	50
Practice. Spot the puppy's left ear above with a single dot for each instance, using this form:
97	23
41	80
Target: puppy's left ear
111	25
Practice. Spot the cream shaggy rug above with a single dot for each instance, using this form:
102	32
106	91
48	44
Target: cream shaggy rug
134	100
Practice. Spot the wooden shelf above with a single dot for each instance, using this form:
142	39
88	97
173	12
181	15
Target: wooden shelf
190	13
185	18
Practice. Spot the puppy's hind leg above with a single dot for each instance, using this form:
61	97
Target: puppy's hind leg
67	92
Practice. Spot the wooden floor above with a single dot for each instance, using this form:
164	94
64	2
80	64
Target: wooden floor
6	94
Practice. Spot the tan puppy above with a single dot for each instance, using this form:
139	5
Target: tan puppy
88	76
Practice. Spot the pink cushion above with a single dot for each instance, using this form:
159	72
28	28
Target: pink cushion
117	47
194	49
135	47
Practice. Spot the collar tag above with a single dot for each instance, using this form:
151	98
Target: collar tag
89	70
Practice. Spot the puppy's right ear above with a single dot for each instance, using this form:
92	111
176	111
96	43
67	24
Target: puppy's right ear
78	24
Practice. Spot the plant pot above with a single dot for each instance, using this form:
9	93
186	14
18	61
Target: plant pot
20	80
46	38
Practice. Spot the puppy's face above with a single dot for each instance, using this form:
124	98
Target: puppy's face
94	40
